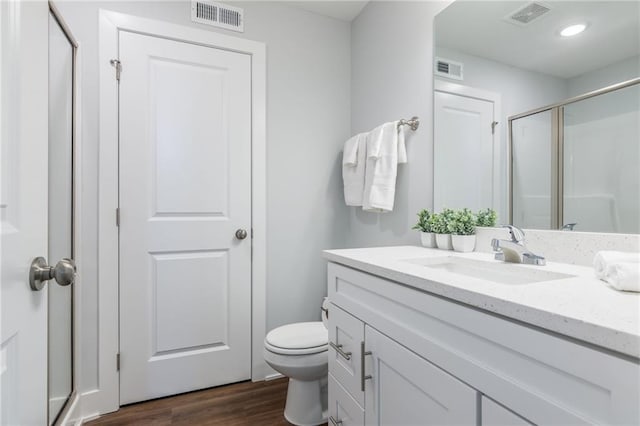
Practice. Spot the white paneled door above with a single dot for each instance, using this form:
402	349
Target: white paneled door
464	152
23	211
185	211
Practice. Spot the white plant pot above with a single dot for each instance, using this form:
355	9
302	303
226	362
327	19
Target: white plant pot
463	243
444	241
428	239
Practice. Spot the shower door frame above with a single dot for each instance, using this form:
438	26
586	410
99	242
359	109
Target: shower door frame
557	149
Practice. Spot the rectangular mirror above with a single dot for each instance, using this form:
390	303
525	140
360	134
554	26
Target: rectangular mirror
511	56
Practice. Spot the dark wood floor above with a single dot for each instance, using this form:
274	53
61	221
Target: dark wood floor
239	404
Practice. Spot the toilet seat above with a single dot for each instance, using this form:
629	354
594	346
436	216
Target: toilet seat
301	338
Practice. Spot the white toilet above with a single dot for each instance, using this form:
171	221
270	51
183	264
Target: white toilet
299	351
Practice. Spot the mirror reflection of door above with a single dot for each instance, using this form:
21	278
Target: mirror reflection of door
61	124
464	137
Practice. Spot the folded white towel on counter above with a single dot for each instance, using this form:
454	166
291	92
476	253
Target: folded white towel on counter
624	276
606	258
620	269
381	168
353	169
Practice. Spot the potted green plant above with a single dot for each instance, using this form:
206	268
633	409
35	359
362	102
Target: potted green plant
486	218
441	229
485	227
462	226
427	237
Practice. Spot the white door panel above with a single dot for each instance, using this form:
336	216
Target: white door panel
185	170
464	152
23	211
406	389
496	415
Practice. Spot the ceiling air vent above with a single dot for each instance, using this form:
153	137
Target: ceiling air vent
217	15
527	14
448	68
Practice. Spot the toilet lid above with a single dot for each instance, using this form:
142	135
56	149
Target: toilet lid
301	335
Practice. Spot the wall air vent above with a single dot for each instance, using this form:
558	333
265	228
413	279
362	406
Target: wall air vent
527	14
448	68
217	15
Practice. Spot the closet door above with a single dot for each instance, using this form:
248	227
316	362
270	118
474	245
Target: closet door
185	217
23	211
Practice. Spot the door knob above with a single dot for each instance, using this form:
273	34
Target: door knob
241	234
40	272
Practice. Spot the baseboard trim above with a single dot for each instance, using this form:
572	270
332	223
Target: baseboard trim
273	376
73	415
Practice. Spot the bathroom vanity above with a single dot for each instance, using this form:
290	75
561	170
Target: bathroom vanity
423	336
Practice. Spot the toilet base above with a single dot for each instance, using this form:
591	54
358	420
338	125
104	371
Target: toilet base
306	402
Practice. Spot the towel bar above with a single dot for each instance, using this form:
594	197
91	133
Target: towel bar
413	123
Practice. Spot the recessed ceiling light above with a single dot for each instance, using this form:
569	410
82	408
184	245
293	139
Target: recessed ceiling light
572	30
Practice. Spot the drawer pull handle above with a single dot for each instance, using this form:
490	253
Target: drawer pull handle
335	422
338	348
363	378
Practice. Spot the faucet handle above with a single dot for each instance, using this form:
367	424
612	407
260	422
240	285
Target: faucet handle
517	234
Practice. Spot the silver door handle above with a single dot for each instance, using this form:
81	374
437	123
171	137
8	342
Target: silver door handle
40	272
363	377
241	234
338	348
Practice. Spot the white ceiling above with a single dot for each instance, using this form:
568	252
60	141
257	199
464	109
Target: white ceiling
478	28
343	10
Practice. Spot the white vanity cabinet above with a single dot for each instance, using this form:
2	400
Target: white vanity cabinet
492	414
397	387
426	360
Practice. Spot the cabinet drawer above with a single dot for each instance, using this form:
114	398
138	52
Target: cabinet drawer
347	333
342	407
496	415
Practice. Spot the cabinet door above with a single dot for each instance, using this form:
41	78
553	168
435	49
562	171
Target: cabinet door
347	333
496	415
343	409
406	389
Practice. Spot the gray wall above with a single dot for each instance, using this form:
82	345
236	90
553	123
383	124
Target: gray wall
392	78
611	74
308	118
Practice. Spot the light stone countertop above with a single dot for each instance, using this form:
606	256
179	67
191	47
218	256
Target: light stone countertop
581	306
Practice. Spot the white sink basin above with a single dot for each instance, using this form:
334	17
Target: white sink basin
494	271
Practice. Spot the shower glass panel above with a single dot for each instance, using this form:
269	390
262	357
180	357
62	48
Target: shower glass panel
531	159
601	158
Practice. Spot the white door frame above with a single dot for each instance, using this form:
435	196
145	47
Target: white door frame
499	202
106	398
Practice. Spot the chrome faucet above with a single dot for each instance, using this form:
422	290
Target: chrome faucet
514	250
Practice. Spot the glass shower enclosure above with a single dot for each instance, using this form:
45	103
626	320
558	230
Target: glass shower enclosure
576	164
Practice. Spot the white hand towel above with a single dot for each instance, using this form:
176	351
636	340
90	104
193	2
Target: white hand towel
353	169
350	151
624	276
402	148
606	258
381	168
